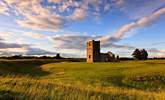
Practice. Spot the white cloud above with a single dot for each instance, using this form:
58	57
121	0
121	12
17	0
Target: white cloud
153	52
151	18
25	51
71	41
120	2
4	45
6	35
38	51
35	35
55	1
79	14
3	8
48	22
107	7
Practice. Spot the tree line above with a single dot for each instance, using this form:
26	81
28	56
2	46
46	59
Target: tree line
139	54
32	57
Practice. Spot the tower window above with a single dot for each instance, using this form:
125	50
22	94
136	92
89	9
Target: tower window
89	56
89	44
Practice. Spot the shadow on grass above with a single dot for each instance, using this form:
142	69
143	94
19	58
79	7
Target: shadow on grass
115	81
9	95
24	67
155	63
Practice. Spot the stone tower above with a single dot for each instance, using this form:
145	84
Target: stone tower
93	51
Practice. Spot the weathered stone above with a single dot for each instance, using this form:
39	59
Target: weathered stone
94	55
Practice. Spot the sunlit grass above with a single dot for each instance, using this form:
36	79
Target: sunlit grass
141	80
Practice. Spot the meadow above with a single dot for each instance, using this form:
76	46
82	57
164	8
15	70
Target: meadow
59	80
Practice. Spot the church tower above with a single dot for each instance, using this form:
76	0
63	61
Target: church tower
93	51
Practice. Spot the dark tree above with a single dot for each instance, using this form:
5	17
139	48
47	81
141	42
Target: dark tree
140	54
144	54
58	56
117	57
16	56
136	54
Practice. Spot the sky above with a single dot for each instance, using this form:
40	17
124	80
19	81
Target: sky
48	27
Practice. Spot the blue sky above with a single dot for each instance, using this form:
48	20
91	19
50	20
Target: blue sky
47	27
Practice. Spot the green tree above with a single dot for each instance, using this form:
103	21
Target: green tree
144	54
137	54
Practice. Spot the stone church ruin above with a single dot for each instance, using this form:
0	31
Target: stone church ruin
94	55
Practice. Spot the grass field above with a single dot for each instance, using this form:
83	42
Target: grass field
54	80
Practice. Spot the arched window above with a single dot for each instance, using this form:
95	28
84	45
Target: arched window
89	56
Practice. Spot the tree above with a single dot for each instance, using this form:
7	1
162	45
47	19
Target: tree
117	57
144	54
58	56
136	54
140	54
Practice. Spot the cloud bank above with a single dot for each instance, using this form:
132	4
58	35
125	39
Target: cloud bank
8	49
51	15
142	22
79	42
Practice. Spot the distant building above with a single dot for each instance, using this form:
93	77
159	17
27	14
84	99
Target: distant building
94	55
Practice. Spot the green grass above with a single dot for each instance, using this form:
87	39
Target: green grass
54	80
